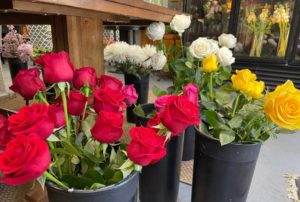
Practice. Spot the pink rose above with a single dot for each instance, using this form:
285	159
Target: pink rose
110	82
27	83
130	94
57	67
84	75
191	92
161	101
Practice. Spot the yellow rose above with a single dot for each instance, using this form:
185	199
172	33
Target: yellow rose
282	106
255	89
210	63
242	78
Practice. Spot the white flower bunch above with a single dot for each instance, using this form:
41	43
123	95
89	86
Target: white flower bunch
116	52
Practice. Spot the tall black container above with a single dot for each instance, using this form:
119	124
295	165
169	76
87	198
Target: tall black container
15	65
189	144
160	182
222	173
125	191
141	86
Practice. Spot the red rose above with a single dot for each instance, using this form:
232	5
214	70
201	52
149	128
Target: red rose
24	159
191	92
57	113
57	67
155	121
179	113
108	128
130	94
32	119
84	75
146	147
76	102
5	135
110	82
161	101
106	99
27	83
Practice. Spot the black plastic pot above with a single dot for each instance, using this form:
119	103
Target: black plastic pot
125	191
222	173
189	144
15	65
141	86
160	182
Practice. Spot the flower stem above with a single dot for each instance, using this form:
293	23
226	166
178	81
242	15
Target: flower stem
182	47
56	181
56	160
211	88
86	94
64	99
42	98
236	103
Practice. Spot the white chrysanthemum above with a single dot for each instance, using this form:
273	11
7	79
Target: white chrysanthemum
136	55
116	52
158	61
149	50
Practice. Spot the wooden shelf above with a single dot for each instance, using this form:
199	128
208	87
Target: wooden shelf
108	10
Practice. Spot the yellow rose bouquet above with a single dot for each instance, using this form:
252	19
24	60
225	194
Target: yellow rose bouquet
241	110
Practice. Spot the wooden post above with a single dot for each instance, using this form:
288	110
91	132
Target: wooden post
85	41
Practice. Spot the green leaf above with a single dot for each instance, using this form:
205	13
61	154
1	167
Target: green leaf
61	151
214	119
112	176
71	149
235	122
113	155
97	186
92	157
95	176
139	111
77	182
88	124
128	163
223	97
53	138
189	64
226	136
157	91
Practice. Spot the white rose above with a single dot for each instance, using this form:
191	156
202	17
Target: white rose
203	47
227	40
180	23
156	31
225	56
158	61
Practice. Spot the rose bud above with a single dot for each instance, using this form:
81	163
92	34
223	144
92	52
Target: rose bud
32	119
178	114
84	75
146	147
161	101
57	67
24	159
191	92
106	99
108	128
57	113
76	103
27	83
110	82
130	94
5	135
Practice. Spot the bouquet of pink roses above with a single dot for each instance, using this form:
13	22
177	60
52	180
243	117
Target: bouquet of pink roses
76	141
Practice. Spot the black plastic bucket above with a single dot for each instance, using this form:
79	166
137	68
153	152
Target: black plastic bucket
222	173
160	182
125	191
15	65
141	86
189	144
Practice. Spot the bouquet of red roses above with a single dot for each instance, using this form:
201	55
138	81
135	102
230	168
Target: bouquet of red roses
76	140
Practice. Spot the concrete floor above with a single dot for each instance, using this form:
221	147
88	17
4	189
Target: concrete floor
278	157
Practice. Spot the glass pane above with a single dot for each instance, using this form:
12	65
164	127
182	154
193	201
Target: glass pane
264	27
210	18
298	49
172	4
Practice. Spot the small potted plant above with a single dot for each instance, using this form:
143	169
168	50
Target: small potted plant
136	63
16	50
75	144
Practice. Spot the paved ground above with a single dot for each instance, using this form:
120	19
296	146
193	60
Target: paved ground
278	157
